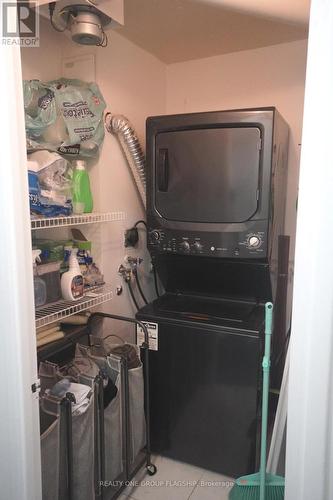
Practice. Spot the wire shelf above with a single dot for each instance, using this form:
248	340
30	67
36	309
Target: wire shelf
76	220
54	312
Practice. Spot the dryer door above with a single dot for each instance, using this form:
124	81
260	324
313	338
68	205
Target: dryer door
208	175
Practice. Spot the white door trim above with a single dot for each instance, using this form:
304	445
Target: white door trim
19	422
309	467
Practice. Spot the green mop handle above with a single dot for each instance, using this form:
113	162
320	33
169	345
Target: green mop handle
265	393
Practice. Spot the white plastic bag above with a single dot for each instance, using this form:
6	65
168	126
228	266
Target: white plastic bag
64	116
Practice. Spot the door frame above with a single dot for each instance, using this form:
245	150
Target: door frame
20	471
310	403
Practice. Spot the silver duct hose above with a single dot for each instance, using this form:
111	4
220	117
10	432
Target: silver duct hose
120	126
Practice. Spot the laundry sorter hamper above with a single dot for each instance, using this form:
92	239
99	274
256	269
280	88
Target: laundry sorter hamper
132	402
111	416
54	421
102	449
69	448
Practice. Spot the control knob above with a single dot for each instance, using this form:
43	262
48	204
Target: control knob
185	246
254	242
197	246
155	236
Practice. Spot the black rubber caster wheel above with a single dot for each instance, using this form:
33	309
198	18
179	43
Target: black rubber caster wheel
151	469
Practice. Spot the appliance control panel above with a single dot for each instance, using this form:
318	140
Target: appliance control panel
229	245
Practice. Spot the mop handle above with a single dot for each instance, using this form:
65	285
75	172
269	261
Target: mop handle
265	394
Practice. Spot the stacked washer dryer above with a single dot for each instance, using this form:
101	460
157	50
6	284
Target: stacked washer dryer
216	191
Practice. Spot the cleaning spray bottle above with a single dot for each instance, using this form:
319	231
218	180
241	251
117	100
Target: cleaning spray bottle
72	280
39	284
82	197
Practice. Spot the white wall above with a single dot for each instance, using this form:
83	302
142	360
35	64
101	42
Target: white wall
270	76
44	62
133	83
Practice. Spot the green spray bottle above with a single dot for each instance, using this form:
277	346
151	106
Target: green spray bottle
81	192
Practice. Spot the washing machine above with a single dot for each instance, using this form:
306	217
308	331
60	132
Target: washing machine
216	191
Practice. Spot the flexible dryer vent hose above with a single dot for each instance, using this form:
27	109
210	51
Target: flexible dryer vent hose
121	127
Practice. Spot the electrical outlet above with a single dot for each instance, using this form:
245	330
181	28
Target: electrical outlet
131	237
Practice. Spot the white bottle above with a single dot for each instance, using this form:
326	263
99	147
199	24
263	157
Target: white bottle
72	280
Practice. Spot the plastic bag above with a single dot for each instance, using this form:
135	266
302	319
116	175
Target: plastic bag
40	205
64	116
39	107
54	176
50	181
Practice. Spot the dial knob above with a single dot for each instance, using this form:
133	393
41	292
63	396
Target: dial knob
254	242
197	246
155	235
185	246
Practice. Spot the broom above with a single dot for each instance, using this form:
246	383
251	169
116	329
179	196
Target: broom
261	486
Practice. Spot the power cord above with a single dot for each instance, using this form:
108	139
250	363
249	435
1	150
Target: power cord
136	274
155	280
51	12
132	295
105	41
132	234
141	222
131	240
